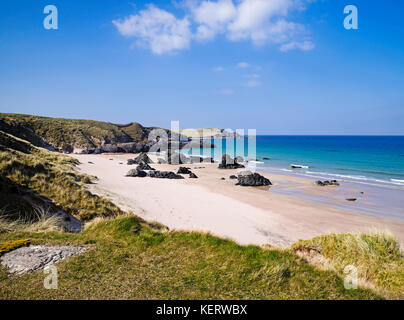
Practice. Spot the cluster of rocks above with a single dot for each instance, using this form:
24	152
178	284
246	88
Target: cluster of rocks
230	163
33	258
164	175
248	178
185	170
153	174
327	183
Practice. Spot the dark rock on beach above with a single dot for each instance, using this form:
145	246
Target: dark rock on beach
233	177
239	159
142	158
351	199
183	170
229	163
252	179
327	183
136	173
144	166
164	175
192	175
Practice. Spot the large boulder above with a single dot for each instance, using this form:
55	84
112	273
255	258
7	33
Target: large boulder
252	179
144	166
229	163
142	158
136	173
164	175
177	158
183	170
193	175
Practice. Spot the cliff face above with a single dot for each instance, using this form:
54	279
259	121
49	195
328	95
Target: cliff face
72	135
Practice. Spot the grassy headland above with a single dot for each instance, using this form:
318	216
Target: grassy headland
67	134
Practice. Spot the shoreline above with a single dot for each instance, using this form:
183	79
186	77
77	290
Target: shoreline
245	214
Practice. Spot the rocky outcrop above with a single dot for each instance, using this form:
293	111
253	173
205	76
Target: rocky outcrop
229	163
33	258
252	179
136	173
327	183
164	175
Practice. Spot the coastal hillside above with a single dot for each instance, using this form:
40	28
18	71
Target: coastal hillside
74	135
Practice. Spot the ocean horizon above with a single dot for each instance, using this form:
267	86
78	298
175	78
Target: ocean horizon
367	159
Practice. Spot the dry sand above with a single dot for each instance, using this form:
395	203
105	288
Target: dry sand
247	215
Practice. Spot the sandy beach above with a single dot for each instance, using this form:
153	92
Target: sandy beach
248	215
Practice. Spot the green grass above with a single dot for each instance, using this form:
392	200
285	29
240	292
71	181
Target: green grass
128	259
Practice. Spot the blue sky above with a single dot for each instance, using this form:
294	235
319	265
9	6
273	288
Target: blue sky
289	69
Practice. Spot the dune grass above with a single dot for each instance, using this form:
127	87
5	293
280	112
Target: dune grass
130	259
25	168
376	256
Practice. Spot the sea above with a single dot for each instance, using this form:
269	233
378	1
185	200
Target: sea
373	163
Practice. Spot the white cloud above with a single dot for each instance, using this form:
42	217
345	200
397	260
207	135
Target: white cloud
258	21
157	29
253	19
253	83
304	46
253	76
218	69
212	17
243	65
226	92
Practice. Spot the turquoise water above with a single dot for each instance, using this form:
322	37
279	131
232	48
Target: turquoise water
366	159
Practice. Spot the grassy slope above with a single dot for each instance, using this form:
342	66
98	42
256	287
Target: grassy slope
130	260
62	134
24	167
